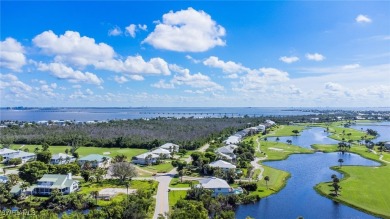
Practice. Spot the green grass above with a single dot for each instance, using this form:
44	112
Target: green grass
284	130
83	151
160	168
175	196
338	132
278	180
362	187
175	183
268	147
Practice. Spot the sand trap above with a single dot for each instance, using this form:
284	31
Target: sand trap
276	149
106	153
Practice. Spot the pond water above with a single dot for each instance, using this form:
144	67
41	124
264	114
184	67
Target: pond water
383	129
299	198
315	135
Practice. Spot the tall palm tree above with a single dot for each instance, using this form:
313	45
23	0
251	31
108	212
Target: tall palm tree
24	186
95	194
341	162
266	178
60	159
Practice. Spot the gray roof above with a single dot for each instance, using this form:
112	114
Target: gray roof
59	181
213	183
6	151
63	156
168	145
93	157
161	151
222	164
21	154
228	149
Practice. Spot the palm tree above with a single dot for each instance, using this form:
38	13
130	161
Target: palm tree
60	160
336	187
341	162
24	187
67	160
289	142
95	194
266	178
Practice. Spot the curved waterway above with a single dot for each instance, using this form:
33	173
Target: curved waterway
307	137
299	198
383	129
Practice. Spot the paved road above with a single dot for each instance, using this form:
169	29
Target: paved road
162	204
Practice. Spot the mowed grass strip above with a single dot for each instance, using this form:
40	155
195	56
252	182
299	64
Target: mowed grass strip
277	180
174	196
364	188
284	130
84	151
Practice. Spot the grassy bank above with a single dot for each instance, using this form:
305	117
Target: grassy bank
362	187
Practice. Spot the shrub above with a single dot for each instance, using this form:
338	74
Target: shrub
249	186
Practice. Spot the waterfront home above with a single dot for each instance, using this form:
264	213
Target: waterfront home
162	153
216	185
96	160
145	158
24	156
61	158
387	145
64	183
269	123
170	147
5	152
225	166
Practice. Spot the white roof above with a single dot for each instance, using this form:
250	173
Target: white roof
233	139
168	145
228	149
62	155
225	156
6	151
213	183
161	151
222	164
144	155
21	154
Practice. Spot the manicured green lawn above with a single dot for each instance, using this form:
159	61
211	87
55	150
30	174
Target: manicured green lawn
175	183
338	132
284	130
363	187
278	180
160	168
280	150
175	196
83	151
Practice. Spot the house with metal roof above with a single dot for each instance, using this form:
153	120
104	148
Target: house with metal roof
61	158
170	147
162	153
6	152
216	185
145	158
228	150
225	166
96	160
64	183
25	156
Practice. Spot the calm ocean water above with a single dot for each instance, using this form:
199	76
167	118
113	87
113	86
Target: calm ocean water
88	114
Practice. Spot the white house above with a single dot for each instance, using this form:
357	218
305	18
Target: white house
387	145
228	150
145	158
5	152
225	166
61	158
64	183
170	147
269	123
162	152
234	139
25	156
224	157
96	160
217	185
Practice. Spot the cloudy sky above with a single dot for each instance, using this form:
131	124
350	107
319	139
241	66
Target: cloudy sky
131	53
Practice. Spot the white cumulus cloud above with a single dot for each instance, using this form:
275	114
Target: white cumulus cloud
73	48
363	19
289	60
227	67
11	81
162	84
116	31
12	54
315	57
62	71
186	31
121	79
131	30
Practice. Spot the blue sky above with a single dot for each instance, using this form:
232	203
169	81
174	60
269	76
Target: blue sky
176	53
